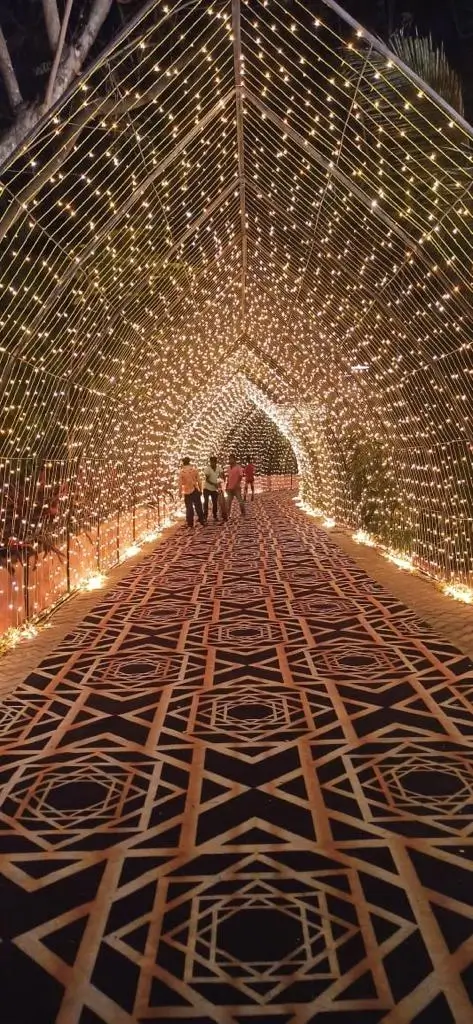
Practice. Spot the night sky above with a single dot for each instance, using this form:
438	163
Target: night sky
449	21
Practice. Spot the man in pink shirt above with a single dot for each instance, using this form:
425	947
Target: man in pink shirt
234	478
249	472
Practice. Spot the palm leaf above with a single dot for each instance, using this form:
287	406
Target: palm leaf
429	61
387	100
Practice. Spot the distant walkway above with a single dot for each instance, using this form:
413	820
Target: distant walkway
241	790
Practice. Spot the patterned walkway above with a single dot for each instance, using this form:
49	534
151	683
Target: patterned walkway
242	790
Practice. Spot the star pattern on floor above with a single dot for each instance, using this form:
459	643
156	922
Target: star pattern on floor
241	789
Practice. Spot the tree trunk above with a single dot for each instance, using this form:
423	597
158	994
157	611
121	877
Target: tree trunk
7	72
75	57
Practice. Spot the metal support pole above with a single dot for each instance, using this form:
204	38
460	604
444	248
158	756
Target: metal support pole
26	587
99	510
237	60
68	554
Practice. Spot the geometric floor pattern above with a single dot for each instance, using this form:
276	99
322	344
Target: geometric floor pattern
241	790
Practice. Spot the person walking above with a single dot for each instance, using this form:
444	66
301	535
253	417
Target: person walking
213	474
221	499
189	486
249	472
234	478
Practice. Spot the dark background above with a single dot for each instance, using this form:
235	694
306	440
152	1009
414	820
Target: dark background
449	21
23	25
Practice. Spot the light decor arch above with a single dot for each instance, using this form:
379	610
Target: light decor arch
256	438
244	189
246	378
221	408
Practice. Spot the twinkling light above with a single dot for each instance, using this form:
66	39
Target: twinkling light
17	635
95	582
401	560
197	238
459	591
362	537
130	552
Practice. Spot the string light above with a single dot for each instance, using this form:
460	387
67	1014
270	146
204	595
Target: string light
459	592
402	561
14	636
147	314
130	552
362	537
95	582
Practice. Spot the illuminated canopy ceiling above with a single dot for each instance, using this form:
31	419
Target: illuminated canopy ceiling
249	204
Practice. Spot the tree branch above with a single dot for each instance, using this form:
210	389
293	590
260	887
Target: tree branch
59	49
7	72
26	120
74	59
52	22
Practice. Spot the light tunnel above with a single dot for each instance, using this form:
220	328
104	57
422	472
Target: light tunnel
242	214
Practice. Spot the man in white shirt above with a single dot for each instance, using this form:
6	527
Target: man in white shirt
213	474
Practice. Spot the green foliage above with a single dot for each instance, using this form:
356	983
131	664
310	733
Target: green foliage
373	492
428	59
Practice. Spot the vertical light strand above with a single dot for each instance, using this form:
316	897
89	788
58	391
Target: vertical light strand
239	101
